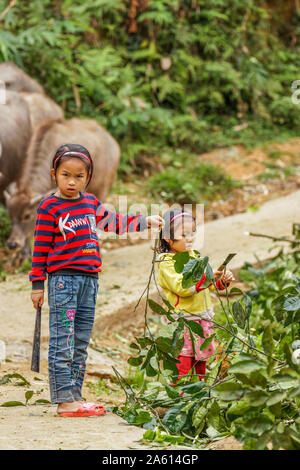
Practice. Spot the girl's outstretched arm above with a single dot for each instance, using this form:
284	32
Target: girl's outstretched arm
110	221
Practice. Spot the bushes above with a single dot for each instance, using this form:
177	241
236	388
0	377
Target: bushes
285	113
201	182
187	72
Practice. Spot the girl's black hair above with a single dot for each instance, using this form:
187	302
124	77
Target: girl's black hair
168	229
67	151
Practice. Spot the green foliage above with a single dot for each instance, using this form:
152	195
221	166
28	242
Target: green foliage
102	386
25	267
2	274
189	184
257	400
5	225
284	112
188	77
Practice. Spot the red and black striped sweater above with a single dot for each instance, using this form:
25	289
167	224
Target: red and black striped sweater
65	236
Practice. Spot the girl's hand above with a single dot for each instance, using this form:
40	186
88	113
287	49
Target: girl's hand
227	277
218	275
155	221
37	298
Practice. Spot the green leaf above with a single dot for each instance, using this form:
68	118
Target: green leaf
257	398
213	416
164	344
28	395
156	307
255	378
193	388
263	441
285	381
134	346
291	304
171	392
228	391
199	269
143	417
170	368
239	314
238	408
207	342
149	435
246	367
195	327
135	361
150	371
150	353
190	266
13	403
178	345
198	418
7	378
167	331
187	280
174	419
276	397
178	340
257	426
144	342
209	275
180	260
267	340
248	305
153	363
170	307
236	290
41	401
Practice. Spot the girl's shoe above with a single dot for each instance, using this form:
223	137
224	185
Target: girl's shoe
85	409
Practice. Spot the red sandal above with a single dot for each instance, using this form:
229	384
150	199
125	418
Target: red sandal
85	409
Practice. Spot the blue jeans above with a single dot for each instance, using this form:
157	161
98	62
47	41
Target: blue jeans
72	300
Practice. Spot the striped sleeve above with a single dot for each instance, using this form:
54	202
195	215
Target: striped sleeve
43	235
110	221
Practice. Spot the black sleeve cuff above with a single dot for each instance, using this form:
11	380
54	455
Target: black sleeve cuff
37	285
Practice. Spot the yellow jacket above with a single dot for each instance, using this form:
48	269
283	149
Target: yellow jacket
187	300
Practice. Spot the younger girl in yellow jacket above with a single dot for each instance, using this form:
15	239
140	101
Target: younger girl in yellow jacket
176	236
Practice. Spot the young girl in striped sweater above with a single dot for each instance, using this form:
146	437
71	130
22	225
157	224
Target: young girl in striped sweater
177	236
66	246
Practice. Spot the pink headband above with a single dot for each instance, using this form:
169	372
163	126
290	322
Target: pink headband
180	215
70	151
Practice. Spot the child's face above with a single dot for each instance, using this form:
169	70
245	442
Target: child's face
71	177
184	233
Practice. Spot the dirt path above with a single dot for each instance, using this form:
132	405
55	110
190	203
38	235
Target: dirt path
122	281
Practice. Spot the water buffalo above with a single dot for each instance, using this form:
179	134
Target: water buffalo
24	108
41	108
16	79
15	133
36	182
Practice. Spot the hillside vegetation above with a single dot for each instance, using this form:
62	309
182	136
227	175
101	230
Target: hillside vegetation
168	78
